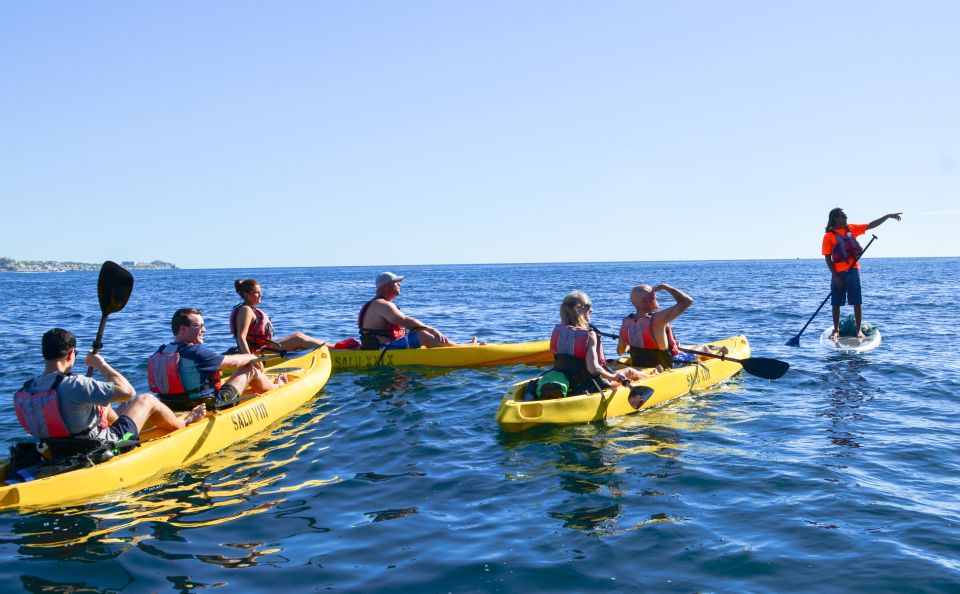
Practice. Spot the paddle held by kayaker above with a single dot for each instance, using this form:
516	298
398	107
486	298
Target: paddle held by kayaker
58	404
252	328
185	371
841	251
383	326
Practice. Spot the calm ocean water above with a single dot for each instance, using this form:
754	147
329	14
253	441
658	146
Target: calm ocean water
840	477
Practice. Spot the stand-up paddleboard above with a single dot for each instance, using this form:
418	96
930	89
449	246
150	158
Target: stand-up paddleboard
851	344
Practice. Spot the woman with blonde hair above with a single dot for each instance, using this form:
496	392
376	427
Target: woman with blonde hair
578	350
252	328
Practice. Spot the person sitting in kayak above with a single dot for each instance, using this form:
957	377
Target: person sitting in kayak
647	332
184	371
384	326
578	350
842	251
251	326
59	405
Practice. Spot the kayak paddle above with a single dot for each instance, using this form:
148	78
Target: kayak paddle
759	366
638	395
795	341
113	290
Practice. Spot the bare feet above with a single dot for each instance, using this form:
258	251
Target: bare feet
198	412
835	335
475	341
280	379
724	350
861	334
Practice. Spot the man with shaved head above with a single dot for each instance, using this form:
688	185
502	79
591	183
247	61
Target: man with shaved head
647	332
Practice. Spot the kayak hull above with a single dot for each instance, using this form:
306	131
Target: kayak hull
162	450
461	355
515	415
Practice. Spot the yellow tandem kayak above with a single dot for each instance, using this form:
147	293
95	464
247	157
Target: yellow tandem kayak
162	450
461	355
515	415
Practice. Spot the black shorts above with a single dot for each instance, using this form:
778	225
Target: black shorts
121	427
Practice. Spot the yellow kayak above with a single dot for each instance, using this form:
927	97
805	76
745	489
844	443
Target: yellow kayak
461	355
162	450
515	415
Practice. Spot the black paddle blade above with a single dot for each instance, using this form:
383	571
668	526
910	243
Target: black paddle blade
113	287
766	368
639	395
795	341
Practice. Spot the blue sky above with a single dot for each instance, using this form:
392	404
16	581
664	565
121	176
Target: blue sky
251	134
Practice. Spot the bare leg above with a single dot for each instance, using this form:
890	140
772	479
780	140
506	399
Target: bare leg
146	407
431	340
857	310
250	376
298	341
836	321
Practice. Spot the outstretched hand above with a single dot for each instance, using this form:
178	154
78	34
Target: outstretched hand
894	215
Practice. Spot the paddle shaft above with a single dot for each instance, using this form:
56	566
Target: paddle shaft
98	341
714	355
795	341
759	366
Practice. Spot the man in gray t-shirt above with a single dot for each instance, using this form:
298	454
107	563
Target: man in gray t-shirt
84	403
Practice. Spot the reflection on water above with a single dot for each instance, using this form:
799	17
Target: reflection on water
620	475
391	514
184	584
614	469
32	583
849	391
245	480
390	383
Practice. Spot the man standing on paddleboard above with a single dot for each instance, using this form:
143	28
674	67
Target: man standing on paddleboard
841	252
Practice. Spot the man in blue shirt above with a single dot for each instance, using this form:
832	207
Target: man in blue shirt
197	373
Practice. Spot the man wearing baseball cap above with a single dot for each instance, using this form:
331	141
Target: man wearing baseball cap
383	325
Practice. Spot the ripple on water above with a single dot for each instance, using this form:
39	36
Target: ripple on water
840	476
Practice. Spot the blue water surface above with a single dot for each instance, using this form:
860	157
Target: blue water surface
842	476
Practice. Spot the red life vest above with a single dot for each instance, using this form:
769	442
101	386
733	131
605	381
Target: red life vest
847	249
391	332
260	331
638	332
39	412
166	378
571	341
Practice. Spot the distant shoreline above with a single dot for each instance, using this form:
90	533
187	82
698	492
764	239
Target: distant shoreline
11	265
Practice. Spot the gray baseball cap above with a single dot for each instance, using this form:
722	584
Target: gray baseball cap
387	277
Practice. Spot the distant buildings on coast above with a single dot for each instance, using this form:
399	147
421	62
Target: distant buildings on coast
11	265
